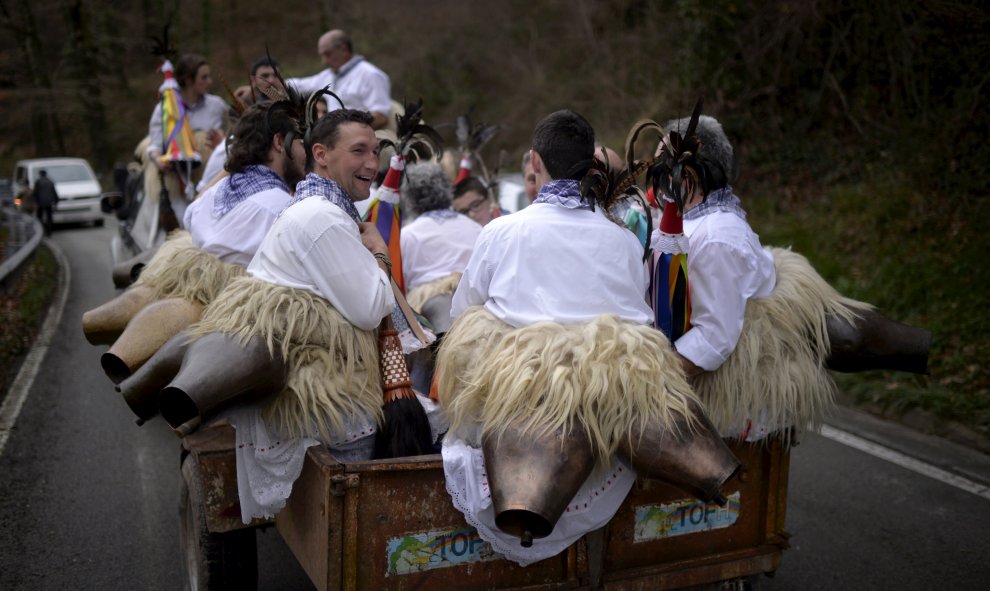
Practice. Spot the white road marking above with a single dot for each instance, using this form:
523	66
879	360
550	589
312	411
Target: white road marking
25	376
904	461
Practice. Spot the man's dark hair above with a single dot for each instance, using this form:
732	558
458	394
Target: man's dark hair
471	183
255	130
263	61
327	129
565	142
186	67
43	172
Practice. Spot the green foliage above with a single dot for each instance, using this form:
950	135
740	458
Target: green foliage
857	126
23	309
920	261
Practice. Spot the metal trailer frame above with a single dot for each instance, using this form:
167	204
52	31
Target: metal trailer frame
390	524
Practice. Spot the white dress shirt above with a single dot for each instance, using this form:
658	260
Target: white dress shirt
726	267
359	83
435	247
549	263
315	246
236	236
213	166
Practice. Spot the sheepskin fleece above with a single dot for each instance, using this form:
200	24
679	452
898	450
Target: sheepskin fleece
424	292
609	376
180	270
778	366
334	371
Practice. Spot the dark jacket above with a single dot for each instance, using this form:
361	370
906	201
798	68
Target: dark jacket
44	192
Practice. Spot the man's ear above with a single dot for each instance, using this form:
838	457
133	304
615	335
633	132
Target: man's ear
536	162
278	143
320	154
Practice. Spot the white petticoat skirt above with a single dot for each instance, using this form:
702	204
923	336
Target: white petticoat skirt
267	465
591	508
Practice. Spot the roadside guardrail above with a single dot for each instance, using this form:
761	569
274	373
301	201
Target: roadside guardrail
23	235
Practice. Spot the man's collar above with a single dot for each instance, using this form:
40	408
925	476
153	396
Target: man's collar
348	65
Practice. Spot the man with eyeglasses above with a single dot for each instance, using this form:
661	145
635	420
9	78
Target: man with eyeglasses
471	199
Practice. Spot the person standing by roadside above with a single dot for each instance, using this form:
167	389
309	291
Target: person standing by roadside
45	198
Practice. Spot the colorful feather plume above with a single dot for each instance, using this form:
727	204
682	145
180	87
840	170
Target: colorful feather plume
416	140
673	166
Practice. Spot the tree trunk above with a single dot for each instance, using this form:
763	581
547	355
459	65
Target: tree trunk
86	70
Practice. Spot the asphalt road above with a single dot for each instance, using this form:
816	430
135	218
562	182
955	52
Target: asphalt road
88	500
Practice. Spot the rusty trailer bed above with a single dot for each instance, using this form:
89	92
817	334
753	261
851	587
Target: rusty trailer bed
390	524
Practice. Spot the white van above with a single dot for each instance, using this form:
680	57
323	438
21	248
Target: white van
76	184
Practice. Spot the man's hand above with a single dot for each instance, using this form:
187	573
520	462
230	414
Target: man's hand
156	158
213	138
372	238
244	93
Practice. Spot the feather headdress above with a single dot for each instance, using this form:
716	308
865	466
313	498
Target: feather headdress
676	162
606	187
471	138
414	136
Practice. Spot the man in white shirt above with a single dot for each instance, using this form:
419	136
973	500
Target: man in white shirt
232	217
757	347
437	245
358	83
224	228
317	288
724	251
552	340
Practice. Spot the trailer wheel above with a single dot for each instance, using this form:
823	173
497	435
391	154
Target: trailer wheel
214	561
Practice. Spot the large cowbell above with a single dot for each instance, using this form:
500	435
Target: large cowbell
103	324
532	478
150	328
688	454
218	370
141	389
873	341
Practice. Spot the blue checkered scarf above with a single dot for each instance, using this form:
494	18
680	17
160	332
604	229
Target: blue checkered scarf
720	200
316	185
241	185
562	192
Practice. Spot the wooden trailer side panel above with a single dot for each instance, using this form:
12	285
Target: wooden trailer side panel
408	535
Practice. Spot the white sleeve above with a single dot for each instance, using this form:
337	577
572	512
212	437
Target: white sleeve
213	166
377	94
348	276
472	290
309	84
719	276
409	249
155	130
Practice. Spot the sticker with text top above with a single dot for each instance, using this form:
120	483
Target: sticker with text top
687	516
436	549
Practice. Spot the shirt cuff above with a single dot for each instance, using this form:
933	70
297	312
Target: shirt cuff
693	346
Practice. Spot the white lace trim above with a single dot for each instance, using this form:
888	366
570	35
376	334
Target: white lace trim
669	243
592	507
267	466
